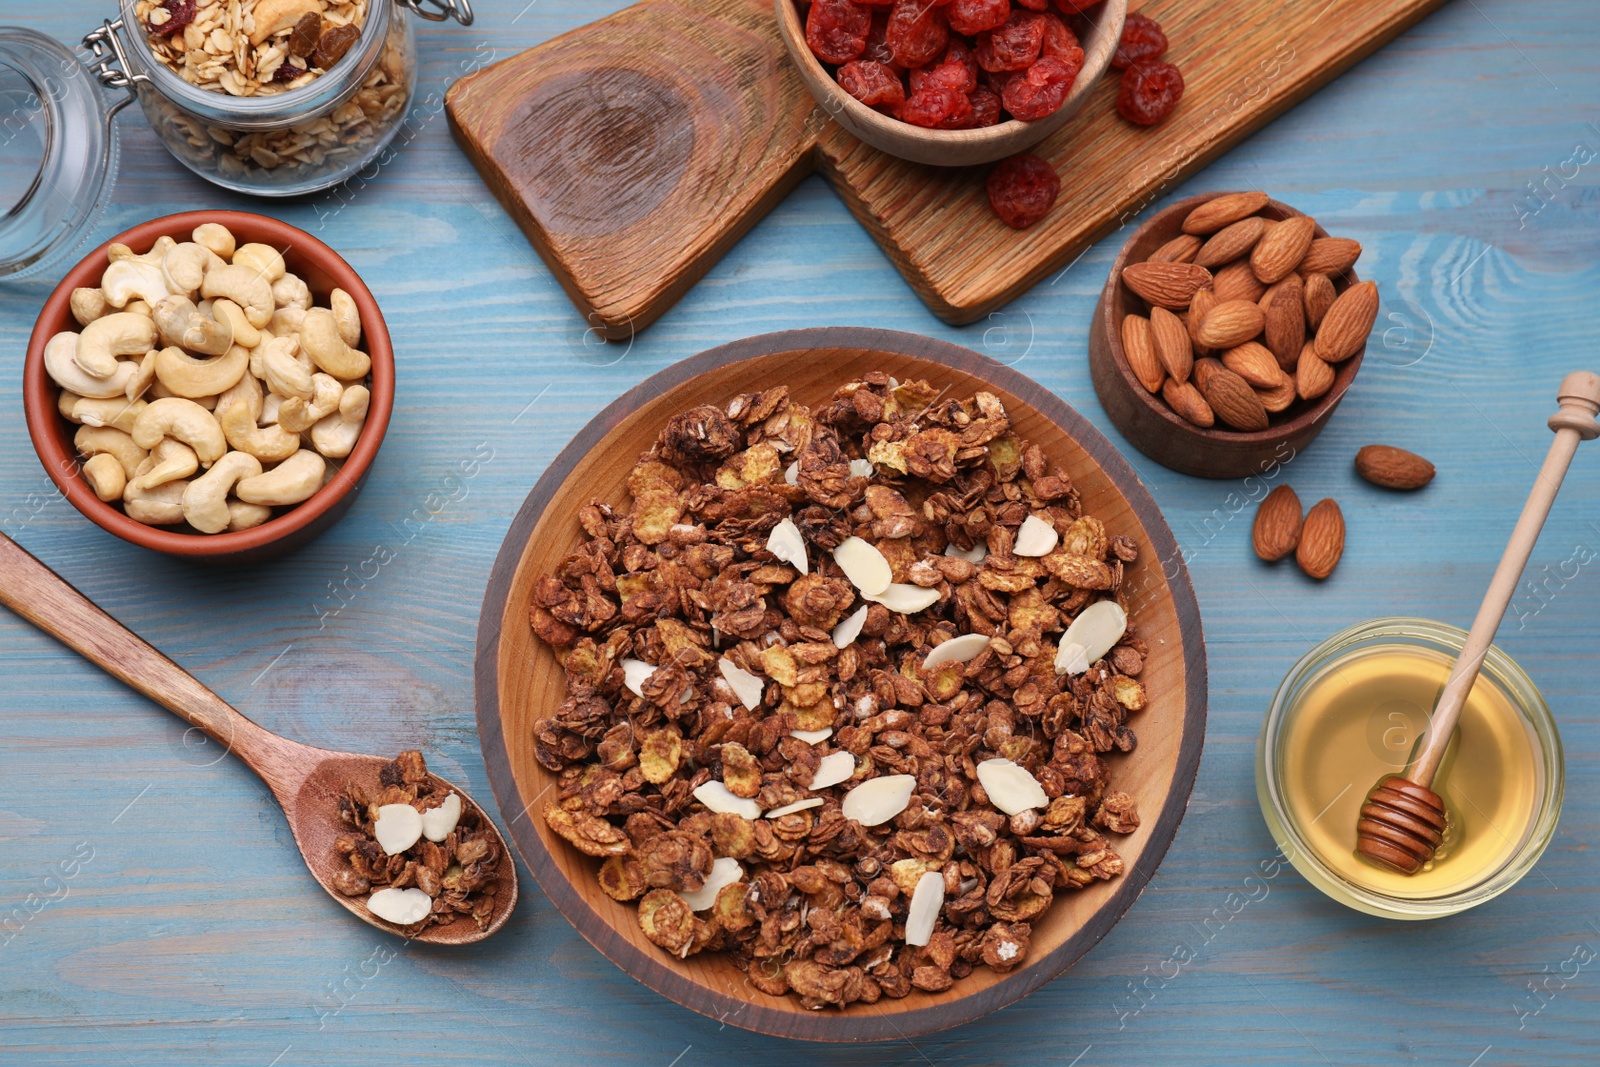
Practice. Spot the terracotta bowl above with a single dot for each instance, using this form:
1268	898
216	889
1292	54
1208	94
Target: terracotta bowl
519	682
1158	431
323	270
950	148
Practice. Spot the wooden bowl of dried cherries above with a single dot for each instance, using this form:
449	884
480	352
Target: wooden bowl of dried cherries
853	684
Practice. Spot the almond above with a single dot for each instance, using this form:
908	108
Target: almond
1231	242
1181	249
1288	281
1234	402
1284	331
1330	255
1321	539
1281	248
1319	297
1393	468
1255	364
1204	368
1280	396
1168	285
1312	377
1185	399
1140	349
1172	343
1349	320
1219	211
1199	308
1276	531
1237	281
1232	322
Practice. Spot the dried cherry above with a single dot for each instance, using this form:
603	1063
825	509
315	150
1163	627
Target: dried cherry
873	83
1034	5
1012	46
985	106
1061	43
957	70
836	30
179	14
975	16
877	47
1077	7
1040	90
917	32
1022	190
937	108
1142	38
1150	92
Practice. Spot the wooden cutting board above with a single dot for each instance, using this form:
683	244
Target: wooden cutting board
636	150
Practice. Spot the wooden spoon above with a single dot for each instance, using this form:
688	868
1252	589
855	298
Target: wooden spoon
306	781
1403	821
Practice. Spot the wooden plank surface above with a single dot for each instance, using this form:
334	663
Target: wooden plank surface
190	934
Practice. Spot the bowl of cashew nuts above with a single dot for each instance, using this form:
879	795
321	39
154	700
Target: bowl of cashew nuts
212	384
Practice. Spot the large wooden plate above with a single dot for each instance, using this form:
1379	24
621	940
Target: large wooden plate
519	681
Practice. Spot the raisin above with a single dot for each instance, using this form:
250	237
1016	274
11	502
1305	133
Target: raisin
303	38
1141	39
877	47
873	83
179	14
332	46
917	32
1014	45
1060	42
975	16
837	30
985	106
934	107
287	72
1022	190
1150	91
1040	90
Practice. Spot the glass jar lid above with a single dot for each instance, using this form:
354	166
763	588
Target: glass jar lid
58	151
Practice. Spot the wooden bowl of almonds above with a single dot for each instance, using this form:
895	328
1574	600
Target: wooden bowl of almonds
1230	328
852	684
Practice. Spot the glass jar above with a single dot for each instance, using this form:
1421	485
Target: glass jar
1498	823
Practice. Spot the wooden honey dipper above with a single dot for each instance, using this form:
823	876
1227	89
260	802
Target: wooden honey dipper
1402	822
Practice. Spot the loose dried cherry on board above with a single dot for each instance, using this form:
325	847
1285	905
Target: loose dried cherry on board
1012	46
917	32
1022	190
932	107
1039	90
836	30
180	13
975	16
1142	38
873	83
985	106
1150	91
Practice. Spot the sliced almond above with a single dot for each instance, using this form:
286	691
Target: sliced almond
877	800
1092	634
812	737
397	828
791	473
927	900
790	809
832	769
724	872
786	543
1010	787
849	627
403	907
906	599
746	686
1035	537
634	673
976	554
720	799
438	822
864	565
956	650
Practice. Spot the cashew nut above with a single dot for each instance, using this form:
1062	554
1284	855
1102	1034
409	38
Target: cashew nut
186	376
296	414
169	461
245	287
290	482
140	307
94	440
261	259
185	265
87	305
184	420
105	476
291	291
205	502
319	336
348	316
128	279
286	321
284	374
244	334
336	435
66	400
115	411
181	323
116	252
242	516
271	404
60	362
215	236
161	506
247	389
103	340
139	382
267	443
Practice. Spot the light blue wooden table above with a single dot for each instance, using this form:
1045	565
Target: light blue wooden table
190	933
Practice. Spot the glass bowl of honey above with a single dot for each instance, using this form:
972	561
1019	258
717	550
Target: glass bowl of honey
1354	710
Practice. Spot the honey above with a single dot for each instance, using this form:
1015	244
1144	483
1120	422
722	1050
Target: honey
1361	717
